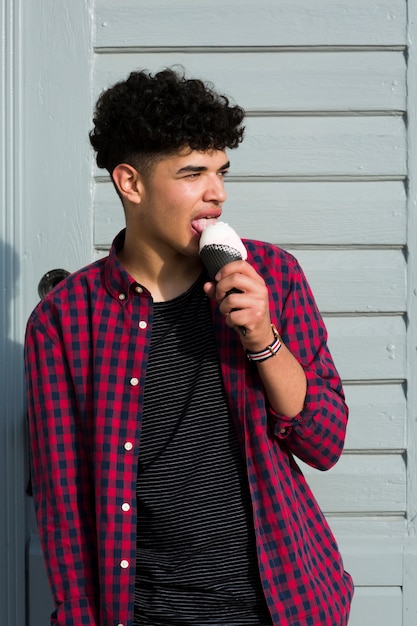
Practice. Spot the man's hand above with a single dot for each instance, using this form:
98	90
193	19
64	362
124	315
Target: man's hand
243	299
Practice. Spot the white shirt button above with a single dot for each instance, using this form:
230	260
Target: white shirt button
142	324
125	506
124	564
138	289
128	446
122	296
134	382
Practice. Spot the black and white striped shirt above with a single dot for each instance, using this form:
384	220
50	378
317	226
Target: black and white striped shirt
196	553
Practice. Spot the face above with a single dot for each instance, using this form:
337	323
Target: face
184	193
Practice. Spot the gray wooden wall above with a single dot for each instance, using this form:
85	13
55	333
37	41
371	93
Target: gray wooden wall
323	172
327	170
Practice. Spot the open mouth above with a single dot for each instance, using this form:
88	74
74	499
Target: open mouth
199	225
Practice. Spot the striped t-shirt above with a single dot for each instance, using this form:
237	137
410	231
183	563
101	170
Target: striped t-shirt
196	552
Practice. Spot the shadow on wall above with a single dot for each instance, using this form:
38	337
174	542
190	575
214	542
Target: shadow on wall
13	457
22	562
24	574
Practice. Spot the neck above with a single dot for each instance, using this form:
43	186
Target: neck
165	277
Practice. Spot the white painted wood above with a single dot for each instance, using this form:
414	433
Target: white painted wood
291	213
361	483
410	580
384	604
374	561
372	550
377	417
369	281
272	23
317	146
332	213
280	81
56	111
329	178
356	531
368	348
410	550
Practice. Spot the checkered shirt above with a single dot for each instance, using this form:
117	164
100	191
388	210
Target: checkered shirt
86	351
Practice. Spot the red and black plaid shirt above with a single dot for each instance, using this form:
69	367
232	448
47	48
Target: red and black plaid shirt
86	351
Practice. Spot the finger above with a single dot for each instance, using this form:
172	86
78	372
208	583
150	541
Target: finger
209	289
236	267
253	287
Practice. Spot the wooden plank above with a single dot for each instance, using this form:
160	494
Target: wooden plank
332	213
280	81
236	23
376	605
363	213
317	146
373	561
361	484
368	348
410	580
355	530
377	417
372	548
366	281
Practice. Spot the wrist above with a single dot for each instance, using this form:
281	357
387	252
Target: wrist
269	351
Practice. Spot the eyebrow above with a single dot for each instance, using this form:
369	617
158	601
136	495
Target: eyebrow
195	169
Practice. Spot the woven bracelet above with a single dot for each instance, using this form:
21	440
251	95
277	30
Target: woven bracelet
267	352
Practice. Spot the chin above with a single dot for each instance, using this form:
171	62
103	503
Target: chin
191	251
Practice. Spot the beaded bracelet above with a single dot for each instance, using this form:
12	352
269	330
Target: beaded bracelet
267	352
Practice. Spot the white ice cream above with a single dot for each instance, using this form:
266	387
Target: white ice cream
221	233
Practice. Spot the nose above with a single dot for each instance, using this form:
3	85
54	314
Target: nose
215	191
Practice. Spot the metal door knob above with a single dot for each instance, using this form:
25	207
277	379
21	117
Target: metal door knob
50	280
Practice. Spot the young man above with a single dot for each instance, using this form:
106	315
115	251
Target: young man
163	437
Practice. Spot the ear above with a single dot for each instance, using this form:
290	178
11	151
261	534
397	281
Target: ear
128	182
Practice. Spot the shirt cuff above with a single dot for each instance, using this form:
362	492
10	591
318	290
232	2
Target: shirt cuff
283	425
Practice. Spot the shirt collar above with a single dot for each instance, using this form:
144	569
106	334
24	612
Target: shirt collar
118	281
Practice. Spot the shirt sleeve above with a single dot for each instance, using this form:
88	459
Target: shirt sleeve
62	486
317	434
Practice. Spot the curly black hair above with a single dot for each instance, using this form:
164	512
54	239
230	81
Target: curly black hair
146	117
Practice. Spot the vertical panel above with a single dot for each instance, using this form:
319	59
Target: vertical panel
410	552
12	529
56	158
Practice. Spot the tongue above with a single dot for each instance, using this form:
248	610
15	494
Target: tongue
200	225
